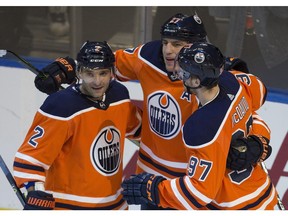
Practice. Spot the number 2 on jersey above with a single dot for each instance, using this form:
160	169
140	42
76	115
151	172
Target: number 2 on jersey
39	132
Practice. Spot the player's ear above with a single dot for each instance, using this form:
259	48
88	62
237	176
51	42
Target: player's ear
79	73
195	81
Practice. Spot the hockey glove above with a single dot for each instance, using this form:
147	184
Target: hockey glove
141	188
238	64
246	152
61	71
39	200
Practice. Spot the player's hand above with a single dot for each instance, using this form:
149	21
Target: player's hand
245	152
61	71
233	63
39	200
141	188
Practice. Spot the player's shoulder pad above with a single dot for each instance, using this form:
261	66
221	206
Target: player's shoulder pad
254	85
229	82
203	125
152	53
65	103
116	92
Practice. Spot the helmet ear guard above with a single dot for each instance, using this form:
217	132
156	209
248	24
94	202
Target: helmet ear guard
183	27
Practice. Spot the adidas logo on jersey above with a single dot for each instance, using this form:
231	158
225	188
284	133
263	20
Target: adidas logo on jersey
231	96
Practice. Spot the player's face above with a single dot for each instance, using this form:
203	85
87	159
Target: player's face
95	82
170	49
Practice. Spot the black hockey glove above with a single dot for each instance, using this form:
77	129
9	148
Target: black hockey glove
39	200
142	188
245	152
61	71
238	64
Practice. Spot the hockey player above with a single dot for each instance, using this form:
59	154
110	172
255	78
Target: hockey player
166	106
225	111
72	156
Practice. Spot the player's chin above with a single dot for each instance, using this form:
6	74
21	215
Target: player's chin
96	93
169	67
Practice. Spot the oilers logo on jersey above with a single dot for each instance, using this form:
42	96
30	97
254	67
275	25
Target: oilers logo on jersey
164	114
105	151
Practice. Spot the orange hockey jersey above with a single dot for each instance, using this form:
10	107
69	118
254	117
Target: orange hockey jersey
76	147
207	136
166	108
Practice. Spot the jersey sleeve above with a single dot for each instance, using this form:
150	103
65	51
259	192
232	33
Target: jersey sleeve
260	127
255	88
201	183
128	64
41	146
206	166
134	123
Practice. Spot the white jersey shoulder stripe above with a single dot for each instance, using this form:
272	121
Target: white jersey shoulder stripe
220	127
65	118
80	112
150	65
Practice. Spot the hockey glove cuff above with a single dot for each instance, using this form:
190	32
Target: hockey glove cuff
142	188
235	64
265	148
46	85
39	200
246	152
61	71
